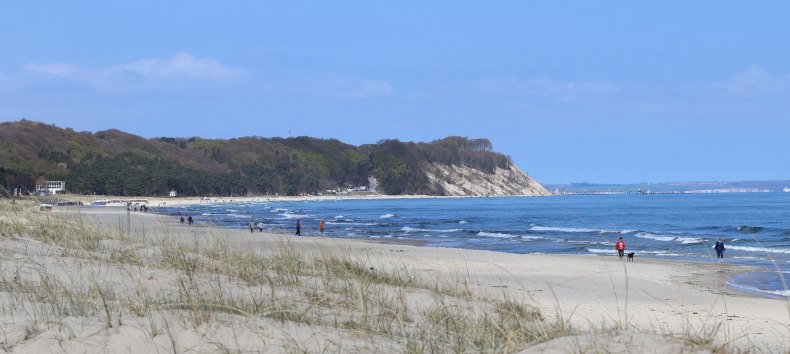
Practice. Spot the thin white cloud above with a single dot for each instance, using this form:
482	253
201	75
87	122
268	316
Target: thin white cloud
754	81
181	65
543	86
345	87
145	73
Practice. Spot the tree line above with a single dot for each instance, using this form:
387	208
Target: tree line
116	163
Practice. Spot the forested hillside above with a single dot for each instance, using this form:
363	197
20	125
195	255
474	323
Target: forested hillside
112	162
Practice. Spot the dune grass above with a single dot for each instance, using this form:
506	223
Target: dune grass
64	271
206	282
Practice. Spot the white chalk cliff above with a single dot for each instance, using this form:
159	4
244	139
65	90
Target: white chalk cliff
458	180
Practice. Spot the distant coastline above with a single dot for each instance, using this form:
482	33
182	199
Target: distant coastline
770	186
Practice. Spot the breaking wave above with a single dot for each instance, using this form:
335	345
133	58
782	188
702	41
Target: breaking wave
760	249
563	229
667	238
411	229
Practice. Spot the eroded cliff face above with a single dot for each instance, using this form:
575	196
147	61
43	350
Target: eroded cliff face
459	180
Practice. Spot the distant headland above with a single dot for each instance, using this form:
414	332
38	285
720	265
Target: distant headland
113	162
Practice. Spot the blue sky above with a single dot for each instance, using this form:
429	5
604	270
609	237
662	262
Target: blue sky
573	91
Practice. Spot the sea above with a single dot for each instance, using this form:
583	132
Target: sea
754	226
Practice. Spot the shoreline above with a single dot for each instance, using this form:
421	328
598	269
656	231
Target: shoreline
718	281
730	270
600	296
742	269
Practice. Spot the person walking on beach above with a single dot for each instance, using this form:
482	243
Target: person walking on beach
298	227
620	247
251	226
182	219
719	247
260	226
189	219
321	227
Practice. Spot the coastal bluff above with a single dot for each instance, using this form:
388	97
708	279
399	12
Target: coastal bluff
460	180
113	162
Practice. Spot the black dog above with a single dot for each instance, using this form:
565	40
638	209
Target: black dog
630	257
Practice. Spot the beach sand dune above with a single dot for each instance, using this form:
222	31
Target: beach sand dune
74	281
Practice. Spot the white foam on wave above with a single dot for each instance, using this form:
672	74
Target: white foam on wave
785	293
586	242
240	216
294	216
759	249
351	223
495	234
563	229
668	238
386	216
528	238
411	229
578	229
463	222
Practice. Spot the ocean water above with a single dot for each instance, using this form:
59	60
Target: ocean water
754	226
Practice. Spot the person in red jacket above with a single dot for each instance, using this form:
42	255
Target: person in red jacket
620	247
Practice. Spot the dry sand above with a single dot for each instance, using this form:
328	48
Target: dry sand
650	300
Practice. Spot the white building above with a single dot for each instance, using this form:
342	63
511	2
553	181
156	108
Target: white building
51	187
173	193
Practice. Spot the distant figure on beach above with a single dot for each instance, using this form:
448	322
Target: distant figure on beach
620	247
260	226
179	211
189	219
321	227
251	226
719	247
298	227
182	219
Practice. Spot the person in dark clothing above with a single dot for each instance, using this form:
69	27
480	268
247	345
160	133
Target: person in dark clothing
719	247
189	219
298	227
182	219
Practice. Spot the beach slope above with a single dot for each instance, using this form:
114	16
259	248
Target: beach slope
75	281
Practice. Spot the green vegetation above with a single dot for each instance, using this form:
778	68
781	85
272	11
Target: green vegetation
203	282
112	162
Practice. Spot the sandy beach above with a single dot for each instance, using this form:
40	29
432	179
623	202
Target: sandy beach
602	304
186	201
